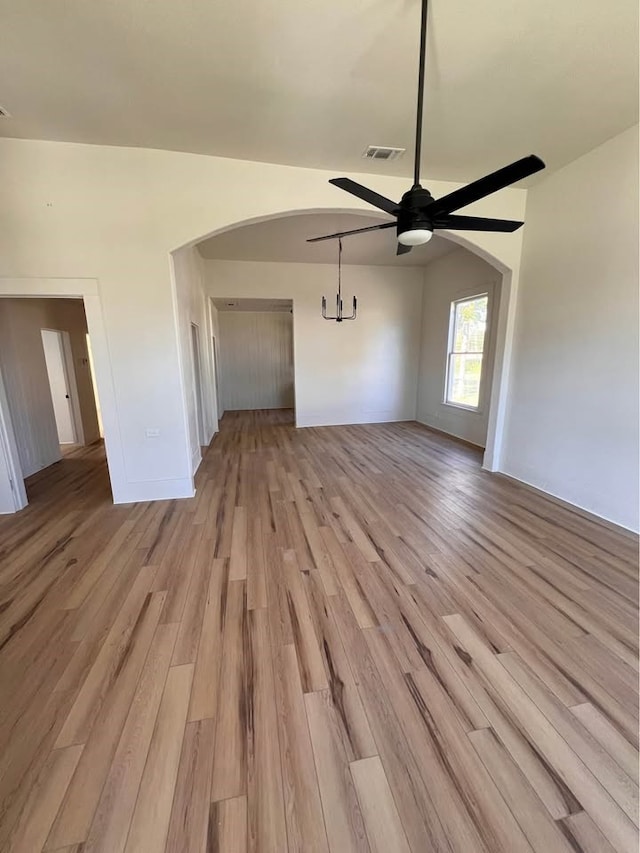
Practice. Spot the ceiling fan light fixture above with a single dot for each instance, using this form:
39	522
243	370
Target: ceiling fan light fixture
418	213
415	237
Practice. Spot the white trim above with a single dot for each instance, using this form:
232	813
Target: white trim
505	323
576	508
215	377
181	380
207	380
9	448
72	382
472	410
448	434
87	289
502	357
160	490
198	395
479	409
293	362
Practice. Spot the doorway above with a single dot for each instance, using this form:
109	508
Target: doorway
47	399
256	354
55	356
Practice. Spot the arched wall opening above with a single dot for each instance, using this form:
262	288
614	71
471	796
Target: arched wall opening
147	204
200	277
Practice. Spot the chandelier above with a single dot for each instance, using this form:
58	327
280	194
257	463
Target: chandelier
339	315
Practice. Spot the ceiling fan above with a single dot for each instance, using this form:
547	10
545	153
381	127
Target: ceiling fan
418	214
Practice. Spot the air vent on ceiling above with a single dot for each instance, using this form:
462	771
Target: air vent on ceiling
379	152
4	113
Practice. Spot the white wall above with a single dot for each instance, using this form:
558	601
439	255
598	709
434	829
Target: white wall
114	215
256	359
361	371
191	306
572	425
454	276
26	380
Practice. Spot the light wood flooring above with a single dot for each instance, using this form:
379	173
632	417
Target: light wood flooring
351	639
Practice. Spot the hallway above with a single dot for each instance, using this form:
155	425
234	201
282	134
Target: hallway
352	638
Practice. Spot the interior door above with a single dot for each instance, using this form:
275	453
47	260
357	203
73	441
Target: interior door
59	384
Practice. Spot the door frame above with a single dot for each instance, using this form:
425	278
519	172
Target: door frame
216	378
72	385
87	290
196	361
9	449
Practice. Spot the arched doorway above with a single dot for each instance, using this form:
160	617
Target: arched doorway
481	248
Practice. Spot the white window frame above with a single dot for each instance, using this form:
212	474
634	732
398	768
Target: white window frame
450	352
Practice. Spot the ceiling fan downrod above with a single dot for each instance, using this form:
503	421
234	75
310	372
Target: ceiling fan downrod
420	108
418	214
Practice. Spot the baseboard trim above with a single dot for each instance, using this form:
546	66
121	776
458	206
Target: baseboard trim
155	490
309	424
574	508
196	459
450	435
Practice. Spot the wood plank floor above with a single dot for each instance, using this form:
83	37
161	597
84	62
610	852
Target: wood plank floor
351	639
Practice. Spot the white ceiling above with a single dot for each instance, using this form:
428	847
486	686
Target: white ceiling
314	83
233	304
285	239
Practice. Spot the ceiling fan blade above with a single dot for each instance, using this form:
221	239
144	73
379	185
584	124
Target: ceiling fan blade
366	194
355	231
402	249
476	223
486	186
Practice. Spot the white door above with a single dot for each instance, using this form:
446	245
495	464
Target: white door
59	383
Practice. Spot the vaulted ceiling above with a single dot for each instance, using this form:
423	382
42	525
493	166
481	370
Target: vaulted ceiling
313	83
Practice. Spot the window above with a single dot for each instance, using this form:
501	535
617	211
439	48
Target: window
467	332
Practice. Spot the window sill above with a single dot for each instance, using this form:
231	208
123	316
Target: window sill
474	410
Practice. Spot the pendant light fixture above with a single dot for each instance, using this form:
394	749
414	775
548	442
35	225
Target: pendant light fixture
339	315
